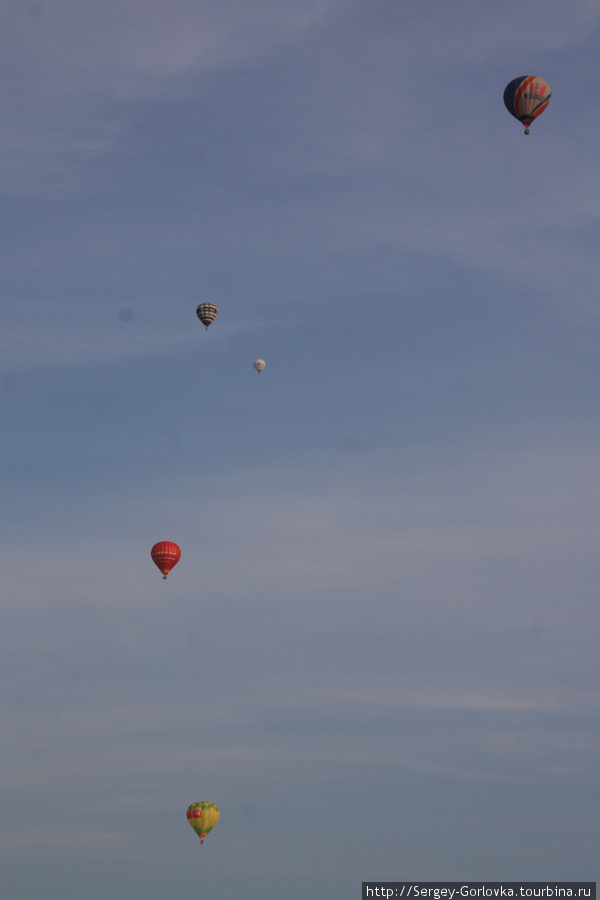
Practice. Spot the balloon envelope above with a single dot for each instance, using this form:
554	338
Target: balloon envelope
207	313
526	98
259	365
203	816
165	554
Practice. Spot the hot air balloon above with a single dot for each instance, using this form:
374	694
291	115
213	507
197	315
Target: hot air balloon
207	313
526	98
165	554
203	816
259	365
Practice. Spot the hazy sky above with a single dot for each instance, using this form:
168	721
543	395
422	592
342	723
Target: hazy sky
379	652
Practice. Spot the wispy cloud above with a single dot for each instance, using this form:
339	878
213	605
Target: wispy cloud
71	71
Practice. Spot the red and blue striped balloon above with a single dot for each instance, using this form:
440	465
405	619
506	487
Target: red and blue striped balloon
526	98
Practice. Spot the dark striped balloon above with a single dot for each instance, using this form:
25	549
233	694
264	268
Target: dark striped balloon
526	98
207	313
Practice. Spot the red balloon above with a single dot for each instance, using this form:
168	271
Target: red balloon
165	555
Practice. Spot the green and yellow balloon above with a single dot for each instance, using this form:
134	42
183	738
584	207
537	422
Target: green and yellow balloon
203	816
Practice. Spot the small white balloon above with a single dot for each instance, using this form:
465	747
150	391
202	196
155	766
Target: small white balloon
259	365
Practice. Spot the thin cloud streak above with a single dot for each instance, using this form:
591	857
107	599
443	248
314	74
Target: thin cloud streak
70	69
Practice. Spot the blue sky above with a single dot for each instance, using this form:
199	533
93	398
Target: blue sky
378	654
